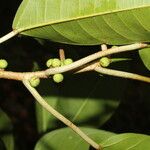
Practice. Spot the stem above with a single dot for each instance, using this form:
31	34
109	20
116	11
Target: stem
62	54
104	47
87	68
8	36
50	109
122	74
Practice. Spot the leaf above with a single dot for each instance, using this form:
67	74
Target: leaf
6	131
109	141
83	99
145	56
69	140
127	141
90	22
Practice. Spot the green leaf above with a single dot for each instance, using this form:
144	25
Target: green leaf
83	99
69	140
145	56
89	22
6	131
127	141
109	141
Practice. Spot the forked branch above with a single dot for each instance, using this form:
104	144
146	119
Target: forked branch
59	116
122	74
88	63
81	65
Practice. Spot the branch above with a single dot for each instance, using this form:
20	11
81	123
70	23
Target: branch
79	66
59	116
122	74
21	75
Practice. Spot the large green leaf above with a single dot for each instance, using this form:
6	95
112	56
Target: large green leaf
145	56
85	22
83	99
66	139
109	141
127	141
6	131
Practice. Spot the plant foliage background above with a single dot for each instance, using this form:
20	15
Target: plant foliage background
25	54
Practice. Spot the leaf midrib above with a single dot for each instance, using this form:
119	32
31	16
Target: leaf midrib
76	18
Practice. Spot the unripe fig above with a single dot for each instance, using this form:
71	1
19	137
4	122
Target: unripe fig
34	81
105	61
3	64
58	78
56	62
68	61
49	63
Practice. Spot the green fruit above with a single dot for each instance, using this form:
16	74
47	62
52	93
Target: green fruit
68	61
3	64
105	61
34	81
49	63
56	62
58	78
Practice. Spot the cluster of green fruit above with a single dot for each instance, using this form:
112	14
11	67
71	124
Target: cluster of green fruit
52	63
55	62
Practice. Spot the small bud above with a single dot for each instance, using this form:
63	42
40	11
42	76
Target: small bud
34	81
58	78
49	63
3	64
68	61
56	62
105	61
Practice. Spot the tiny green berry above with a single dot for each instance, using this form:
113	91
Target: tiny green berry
3	64
105	61
49	63
58	78
68	61
34	81
56	62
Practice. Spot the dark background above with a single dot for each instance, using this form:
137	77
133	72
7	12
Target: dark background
133	114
